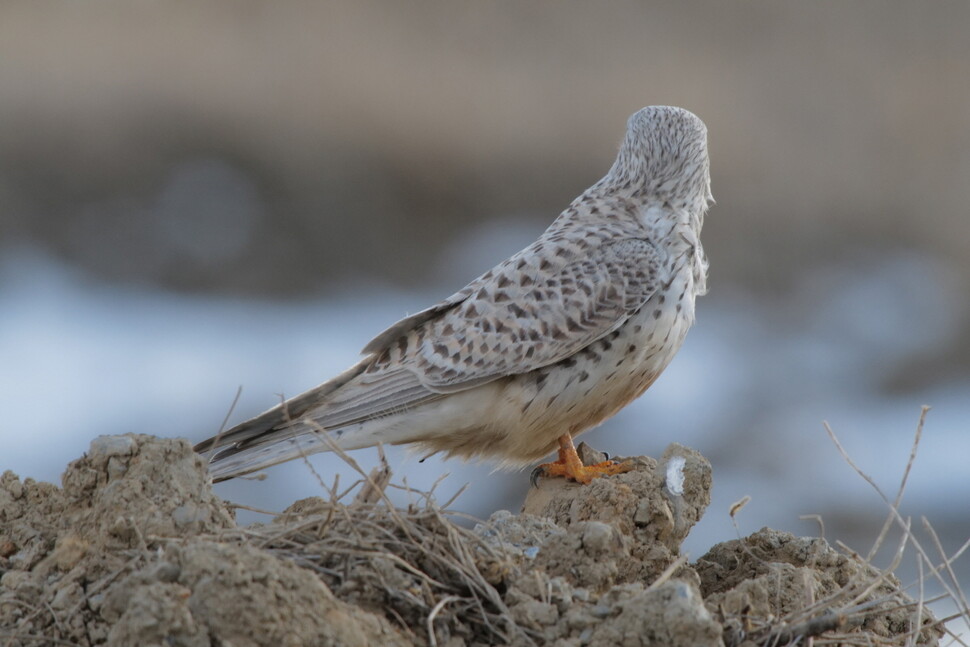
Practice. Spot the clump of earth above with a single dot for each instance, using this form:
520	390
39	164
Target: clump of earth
135	549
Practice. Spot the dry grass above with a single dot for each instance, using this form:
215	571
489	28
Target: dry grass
439	581
835	619
424	571
415	565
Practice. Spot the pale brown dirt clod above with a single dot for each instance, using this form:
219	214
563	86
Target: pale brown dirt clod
134	549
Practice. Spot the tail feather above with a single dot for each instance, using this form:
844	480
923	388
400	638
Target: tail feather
275	422
287	444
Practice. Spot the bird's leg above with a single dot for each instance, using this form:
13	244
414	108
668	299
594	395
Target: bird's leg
570	466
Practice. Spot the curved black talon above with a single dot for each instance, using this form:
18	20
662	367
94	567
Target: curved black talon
534	477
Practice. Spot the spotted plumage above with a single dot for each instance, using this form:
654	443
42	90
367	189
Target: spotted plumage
553	340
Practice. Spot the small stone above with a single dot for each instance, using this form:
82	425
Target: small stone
67	596
535	613
187	514
601	611
7	549
117	467
598	537
166	572
14	486
642	515
14	579
95	601
108	446
69	551
588	455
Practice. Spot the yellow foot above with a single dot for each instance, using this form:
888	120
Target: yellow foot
569	466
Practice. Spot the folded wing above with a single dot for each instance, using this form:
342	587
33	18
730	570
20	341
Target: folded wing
526	313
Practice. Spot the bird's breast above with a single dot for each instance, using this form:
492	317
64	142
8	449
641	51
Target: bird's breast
582	391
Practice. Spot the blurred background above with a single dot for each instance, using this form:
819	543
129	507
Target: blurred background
197	197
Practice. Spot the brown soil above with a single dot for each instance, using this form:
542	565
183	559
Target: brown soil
134	549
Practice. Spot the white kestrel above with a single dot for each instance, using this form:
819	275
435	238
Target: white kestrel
545	345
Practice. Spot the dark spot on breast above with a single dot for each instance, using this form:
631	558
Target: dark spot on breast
525	280
657	313
545	265
583	376
501	296
569	362
516	310
503	281
441	349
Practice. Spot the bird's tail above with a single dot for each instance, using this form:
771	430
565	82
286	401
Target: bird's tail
274	436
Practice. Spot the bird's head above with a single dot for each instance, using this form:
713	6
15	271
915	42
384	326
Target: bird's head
664	157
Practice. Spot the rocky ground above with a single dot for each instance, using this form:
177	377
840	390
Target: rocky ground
134	549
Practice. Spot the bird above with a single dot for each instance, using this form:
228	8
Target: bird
547	344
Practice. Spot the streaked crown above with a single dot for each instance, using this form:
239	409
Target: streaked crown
664	156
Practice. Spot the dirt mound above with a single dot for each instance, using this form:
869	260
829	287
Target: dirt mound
135	549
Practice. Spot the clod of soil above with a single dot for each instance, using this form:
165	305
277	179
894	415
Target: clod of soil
134	549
